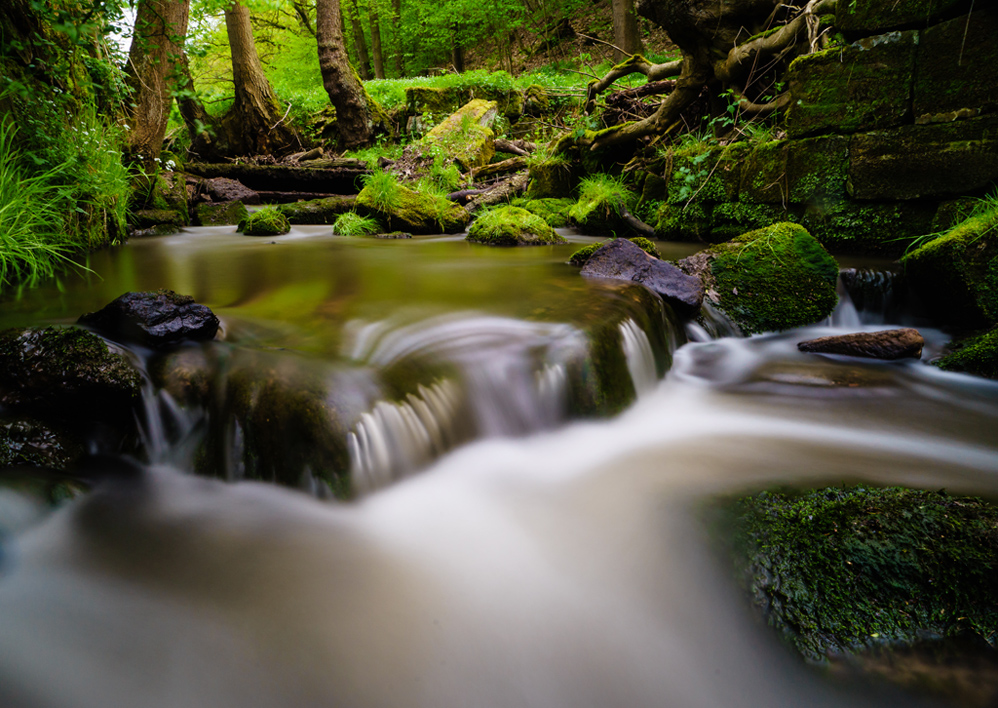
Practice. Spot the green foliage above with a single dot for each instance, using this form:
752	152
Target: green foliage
385	190
976	355
600	199
353	224
841	569
265	222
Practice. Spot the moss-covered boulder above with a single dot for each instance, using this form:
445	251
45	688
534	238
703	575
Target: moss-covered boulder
551	177
535	100
974	355
553	211
404	209
602	200
864	86
956	274
839	570
150	218
774	278
220	213
582	256
266	222
465	136
318	211
512	226
68	375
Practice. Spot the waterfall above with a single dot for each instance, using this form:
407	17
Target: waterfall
640	357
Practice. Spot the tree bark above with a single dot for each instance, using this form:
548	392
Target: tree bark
353	115
160	28
379	57
626	36
360	43
256	122
399	53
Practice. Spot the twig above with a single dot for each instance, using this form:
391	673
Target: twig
282	119
614	46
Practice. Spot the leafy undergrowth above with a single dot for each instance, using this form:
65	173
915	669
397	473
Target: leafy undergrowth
843	569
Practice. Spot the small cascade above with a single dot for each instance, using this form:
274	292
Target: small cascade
166	429
712	324
395	439
876	295
640	357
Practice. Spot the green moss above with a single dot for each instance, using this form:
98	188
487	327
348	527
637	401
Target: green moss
535	100
266	222
976	355
463	136
600	200
705	172
645	245
551	177
691	222
220	214
512	226
317	211
957	273
774	278
404	209
553	211
843	569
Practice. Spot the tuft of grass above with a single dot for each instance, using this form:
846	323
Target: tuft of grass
981	221
33	241
353	224
600	196
384	188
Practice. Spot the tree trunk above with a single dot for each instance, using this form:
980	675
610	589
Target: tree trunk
353	116
160	27
625	30
399	53
202	128
255	124
360	44
379	60
456	51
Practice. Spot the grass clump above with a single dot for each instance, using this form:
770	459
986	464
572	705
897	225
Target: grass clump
842	569
353	224
383	189
265	222
600	200
512	226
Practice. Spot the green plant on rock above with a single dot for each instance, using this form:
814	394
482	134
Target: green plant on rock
265	222
512	226
600	199
353	224
385	190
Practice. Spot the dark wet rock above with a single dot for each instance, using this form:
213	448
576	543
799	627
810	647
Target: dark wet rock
318	211
771	279
223	189
68	374
31	443
155	319
221	214
622	260
888	344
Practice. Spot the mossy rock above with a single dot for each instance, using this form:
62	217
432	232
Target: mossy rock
512	226
925	161
551	178
702	172
170	192
864	86
31	443
553	211
956	274
221	213
535	100
771	279
598	208
266	222
678	222
464	136
415	212
956	68
886	229
150	218
580	257
877	16
317	211
974	355
842	569
443	101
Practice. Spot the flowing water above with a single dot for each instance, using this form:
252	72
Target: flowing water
502	552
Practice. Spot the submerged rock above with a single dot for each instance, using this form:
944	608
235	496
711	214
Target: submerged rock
512	226
888	344
622	260
774	278
67	374
155	319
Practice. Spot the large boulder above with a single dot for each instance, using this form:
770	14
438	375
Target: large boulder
956	274
622	260
69	375
157	320
774	278
220	213
512	226
224	189
404	209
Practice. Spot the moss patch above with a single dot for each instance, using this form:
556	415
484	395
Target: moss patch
842	569
220	214
404	209
512	226
266	222
600	200
317	211
553	211
976	355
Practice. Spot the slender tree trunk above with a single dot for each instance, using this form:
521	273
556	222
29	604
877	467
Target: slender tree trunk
456	51
160	27
625	29
353	116
379	57
399	53
360	43
255	123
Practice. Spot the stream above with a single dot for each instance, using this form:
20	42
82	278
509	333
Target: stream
507	547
